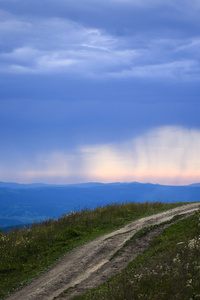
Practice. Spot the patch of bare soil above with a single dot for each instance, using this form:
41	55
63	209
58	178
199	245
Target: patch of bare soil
89	265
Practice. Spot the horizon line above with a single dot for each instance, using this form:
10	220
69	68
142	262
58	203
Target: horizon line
94	182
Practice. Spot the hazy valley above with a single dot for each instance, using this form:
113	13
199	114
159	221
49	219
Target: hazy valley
23	204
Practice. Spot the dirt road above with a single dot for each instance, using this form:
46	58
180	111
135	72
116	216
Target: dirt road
89	265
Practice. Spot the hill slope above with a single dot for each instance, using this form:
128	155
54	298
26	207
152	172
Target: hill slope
90	264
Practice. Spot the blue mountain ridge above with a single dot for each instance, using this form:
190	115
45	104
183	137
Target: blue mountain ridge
25	203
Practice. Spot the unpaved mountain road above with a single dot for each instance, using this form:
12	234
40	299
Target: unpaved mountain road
89	265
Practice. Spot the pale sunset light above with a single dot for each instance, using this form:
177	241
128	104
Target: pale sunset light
167	155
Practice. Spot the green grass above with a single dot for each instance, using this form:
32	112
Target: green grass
25	253
169	269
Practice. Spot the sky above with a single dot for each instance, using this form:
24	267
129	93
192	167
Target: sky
104	90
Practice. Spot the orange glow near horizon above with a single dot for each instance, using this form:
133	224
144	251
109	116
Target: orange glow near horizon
155	178
151	178
166	155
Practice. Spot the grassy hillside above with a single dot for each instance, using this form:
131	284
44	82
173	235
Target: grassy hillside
169	269
24	253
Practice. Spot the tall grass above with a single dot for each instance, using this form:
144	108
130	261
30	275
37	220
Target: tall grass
25	253
169	269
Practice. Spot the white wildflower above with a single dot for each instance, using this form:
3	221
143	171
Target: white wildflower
154	272
176	259
189	282
194	244
138	276
187	266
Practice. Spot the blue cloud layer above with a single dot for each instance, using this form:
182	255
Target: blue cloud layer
76	73
142	40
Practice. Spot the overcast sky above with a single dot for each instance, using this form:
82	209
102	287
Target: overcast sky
104	90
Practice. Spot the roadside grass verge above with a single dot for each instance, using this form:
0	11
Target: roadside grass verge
169	269
25	253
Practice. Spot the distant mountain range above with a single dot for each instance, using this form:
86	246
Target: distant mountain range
25	203
194	185
14	185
